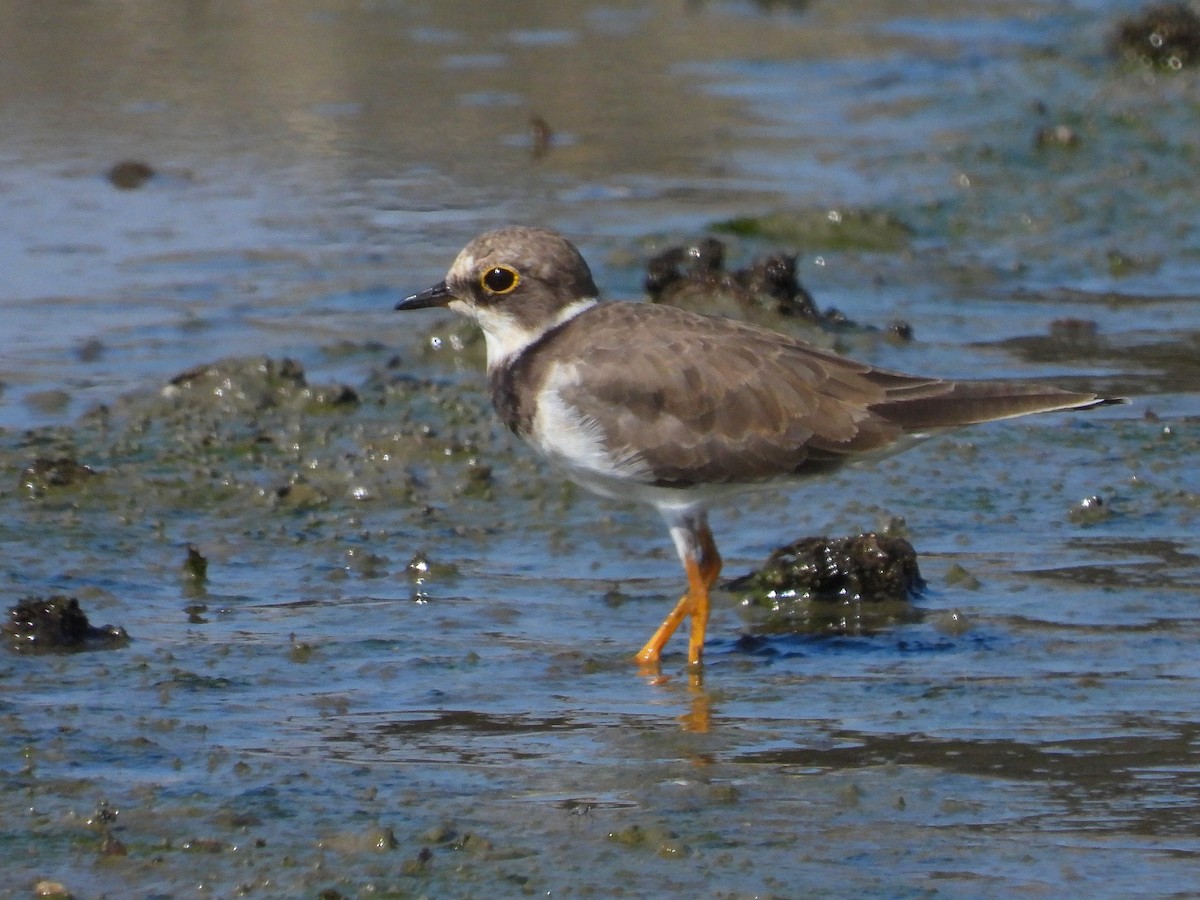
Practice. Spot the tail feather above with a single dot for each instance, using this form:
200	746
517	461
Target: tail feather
929	405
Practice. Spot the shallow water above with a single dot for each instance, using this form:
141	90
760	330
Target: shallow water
319	712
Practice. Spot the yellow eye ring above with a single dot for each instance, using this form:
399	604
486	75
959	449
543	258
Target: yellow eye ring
499	279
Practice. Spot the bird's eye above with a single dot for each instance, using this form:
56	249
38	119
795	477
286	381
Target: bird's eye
499	279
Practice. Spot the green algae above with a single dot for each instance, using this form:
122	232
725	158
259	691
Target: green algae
812	230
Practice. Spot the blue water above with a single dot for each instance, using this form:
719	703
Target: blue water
1034	730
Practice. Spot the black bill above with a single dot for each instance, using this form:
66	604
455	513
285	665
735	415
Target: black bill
438	295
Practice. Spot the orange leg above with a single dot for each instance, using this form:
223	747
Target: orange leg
649	654
709	569
702	563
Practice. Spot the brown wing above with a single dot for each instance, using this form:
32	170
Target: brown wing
711	400
699	399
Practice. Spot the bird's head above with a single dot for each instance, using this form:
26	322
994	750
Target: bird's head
517	283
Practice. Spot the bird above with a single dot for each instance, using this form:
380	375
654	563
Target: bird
657	404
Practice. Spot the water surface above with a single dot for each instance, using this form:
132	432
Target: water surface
318	715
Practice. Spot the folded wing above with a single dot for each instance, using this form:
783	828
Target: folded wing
698	399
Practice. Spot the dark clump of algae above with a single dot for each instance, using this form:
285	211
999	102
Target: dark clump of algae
57	625
1162	35
850	585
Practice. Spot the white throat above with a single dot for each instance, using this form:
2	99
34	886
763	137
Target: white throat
506	336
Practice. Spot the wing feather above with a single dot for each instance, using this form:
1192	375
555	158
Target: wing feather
703	400
699	399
